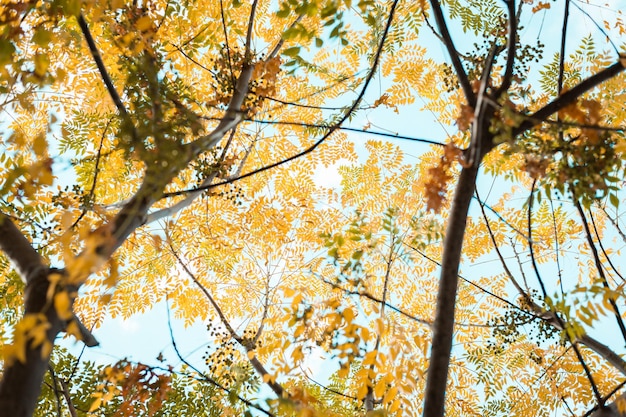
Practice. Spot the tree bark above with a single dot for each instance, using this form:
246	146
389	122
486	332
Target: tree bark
21	382
443	326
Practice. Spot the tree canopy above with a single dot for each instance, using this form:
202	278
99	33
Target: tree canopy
463	256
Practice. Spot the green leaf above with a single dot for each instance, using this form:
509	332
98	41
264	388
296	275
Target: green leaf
42	37
7	49
292	52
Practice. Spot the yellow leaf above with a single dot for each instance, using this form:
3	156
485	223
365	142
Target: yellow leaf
380	388
395	406
370	358
297	354
40	145
62	305
343	372
390	395
361	391
144	23
251	354
41	64
348	315
97	402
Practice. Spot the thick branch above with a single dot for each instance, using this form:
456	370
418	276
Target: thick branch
568	97
19	250
21	382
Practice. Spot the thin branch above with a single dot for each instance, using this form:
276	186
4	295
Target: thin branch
247	54
553	319
329	389
557	255
254	361
473	284
206	377
600	269
353	129
492	236
103	72
331	129
599	27
562	53
96	170
452	52
230	64
280	43
531	249
614	223
606	255
502	219
511	49
305	106
55	388
545	295
376	300
68	400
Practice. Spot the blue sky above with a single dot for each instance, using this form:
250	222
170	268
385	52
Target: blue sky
144	336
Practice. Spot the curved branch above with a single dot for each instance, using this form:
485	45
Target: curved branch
511	49
254	361
331	129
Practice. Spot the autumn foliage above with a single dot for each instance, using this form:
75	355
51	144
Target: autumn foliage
356	207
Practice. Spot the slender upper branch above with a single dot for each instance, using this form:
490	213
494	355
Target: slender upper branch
454	55
511	49
84	27
254	361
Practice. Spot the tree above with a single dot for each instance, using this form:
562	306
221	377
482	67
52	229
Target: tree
178	139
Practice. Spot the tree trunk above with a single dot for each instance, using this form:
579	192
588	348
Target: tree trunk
21	382
434	396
